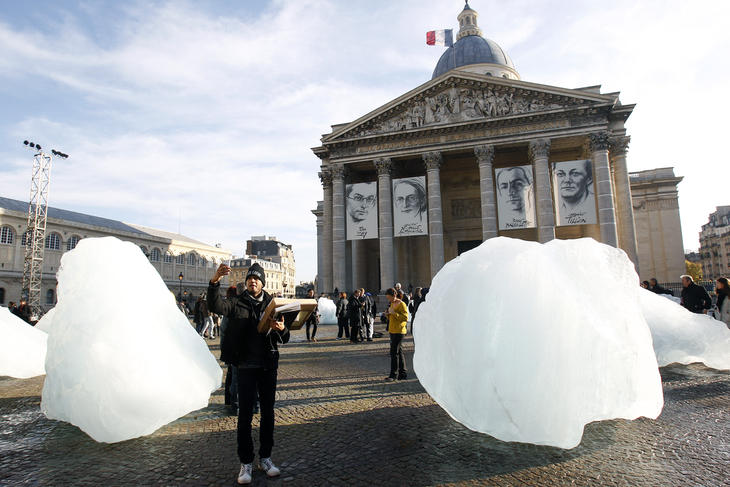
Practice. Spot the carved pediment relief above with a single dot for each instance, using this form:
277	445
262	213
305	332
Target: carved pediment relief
455	102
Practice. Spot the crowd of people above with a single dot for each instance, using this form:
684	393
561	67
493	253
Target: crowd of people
696	299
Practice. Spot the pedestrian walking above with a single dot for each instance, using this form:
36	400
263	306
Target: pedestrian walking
257	357
397	314
312	320
722	289
354	316
341	312
694	297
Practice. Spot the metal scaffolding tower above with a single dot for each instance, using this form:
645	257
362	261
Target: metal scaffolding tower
35	235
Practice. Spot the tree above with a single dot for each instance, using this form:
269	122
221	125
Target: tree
693	269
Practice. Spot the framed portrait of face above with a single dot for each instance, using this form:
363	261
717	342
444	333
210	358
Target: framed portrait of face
575	201
361	210
515	197
410	207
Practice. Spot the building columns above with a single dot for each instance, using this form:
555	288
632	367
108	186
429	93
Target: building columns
339	267
598	144
325	273
539	151
319	214
385	222
433	161
624	210
485	158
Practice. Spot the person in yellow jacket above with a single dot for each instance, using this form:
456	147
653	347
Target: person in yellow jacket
397	314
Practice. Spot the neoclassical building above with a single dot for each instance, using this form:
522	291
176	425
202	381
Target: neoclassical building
474	153
172	255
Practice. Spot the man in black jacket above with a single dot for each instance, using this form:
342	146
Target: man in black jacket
257	357
656	288
694	297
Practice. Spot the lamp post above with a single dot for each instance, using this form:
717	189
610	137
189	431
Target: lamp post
179	292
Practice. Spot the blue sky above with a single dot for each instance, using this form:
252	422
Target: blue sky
200	116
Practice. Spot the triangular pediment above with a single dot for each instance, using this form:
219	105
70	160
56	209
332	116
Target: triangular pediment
456	98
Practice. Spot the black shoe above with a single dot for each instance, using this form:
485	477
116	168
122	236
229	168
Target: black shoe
390	378
403	377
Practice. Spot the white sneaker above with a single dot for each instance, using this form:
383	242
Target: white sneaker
244	476
268	466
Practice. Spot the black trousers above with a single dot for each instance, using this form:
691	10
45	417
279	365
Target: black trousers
343	325
314	329
397	359
249	381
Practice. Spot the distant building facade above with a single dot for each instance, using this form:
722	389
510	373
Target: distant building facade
715	244
272	250
655	201
169	253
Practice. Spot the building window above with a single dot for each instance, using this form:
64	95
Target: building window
144	250
53	242
167	259
203	262
180	259
72	242
6	235
155	255
25	240
191	259
2	295
50	296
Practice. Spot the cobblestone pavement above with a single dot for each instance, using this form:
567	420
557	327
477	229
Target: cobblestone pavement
339	423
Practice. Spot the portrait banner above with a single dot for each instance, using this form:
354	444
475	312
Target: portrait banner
410	207
575	203
361	205
515	197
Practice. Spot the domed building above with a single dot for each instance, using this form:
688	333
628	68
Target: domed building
474	153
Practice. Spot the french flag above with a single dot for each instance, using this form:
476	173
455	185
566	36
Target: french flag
440	38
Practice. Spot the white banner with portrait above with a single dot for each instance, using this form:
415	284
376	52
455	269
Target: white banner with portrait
575	203
361	210
410	207
515	197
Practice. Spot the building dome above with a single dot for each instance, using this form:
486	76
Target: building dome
474	53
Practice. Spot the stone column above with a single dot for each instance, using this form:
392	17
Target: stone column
485	158
326	273
433	161
598	144
339	265
624	209
319	213
539	151
384	167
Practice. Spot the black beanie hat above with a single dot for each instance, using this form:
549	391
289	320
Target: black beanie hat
257	271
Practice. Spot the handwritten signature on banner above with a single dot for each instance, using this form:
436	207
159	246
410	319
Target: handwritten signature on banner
411	229
361	232
517	223
576	218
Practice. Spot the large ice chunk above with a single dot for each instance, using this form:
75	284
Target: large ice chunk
327	311
529	342
122	359
22	347
684	337
46	321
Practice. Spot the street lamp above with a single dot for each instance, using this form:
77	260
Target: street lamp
179	292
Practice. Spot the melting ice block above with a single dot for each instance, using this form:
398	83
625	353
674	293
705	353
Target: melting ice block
684	337
46	321
22	347
529	342
327	311
122	360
